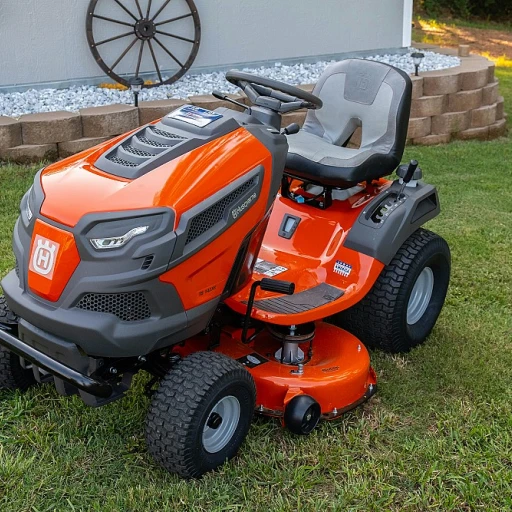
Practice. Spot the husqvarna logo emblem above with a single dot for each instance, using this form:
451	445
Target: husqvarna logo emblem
363	82
241	208
43	257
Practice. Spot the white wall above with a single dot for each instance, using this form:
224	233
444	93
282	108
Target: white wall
45	41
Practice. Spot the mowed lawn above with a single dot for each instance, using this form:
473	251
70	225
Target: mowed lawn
437	436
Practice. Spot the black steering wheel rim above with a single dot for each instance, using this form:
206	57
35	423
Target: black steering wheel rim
237	77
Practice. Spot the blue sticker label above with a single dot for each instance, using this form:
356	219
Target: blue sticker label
195	115
342	268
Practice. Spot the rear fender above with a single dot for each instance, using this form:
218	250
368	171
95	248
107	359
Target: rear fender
382	240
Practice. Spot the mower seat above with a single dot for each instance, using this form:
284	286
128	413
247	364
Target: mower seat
356	93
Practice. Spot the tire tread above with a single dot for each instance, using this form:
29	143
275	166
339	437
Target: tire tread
176	406
372	319
12	375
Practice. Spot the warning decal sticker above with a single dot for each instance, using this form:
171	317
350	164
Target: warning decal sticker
268	269
195	115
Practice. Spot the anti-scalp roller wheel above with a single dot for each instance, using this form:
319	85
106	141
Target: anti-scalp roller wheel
302	414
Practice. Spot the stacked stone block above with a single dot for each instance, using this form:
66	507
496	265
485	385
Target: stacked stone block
458	103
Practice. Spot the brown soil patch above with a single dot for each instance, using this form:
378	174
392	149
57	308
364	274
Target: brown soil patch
495	43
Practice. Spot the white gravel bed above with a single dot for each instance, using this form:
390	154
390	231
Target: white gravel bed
77	97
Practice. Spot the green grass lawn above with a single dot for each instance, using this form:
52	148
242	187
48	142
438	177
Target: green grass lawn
437	436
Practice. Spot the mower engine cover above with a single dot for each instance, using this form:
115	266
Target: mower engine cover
129	247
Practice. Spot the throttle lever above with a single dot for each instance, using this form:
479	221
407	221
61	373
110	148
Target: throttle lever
413	165
291	129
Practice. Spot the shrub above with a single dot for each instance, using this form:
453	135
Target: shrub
495	10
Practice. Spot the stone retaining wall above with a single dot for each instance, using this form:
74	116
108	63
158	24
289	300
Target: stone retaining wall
457	103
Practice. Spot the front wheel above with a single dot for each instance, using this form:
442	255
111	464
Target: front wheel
402	308
12	374
200	414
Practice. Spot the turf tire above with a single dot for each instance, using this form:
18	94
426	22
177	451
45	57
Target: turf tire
380	319
182	405
12	375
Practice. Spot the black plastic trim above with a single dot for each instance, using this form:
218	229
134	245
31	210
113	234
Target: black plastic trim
108	224
277	144
301	302
382	241
288	234
188	138
88	384
103	334
237	266
183	250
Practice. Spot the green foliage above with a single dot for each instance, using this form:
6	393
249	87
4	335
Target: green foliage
437	436
495	10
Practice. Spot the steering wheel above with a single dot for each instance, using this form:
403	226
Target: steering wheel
276	96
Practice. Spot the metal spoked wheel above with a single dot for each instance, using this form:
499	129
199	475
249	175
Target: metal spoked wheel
157	35
221	424
420	296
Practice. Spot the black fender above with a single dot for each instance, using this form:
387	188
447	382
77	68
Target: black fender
381	238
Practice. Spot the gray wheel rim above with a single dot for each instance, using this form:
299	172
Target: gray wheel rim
216	437
420	296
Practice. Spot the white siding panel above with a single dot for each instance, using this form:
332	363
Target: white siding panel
45	41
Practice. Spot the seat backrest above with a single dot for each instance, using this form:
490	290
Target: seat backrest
363	93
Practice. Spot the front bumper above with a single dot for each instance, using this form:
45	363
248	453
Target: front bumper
88	384
104	335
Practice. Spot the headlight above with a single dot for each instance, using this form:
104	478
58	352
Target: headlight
29	210
28	207
117	241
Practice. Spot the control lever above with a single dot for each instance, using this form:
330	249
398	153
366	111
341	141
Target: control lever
277	286
221	96
268	285
413	165
291	129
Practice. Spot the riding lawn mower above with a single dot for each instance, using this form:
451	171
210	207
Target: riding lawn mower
246	267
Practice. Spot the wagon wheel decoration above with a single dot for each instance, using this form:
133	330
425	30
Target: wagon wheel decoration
148	28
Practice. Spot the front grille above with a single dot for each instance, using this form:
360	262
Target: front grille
129	307
136	151
153	143
207	219
121	161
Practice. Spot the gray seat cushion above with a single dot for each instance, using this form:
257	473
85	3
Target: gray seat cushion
356	93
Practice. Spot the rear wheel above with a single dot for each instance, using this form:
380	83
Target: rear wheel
12	374
402	308
200	414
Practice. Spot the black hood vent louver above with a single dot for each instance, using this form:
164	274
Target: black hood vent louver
142	147
165	134
154	145
135	151
121	161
